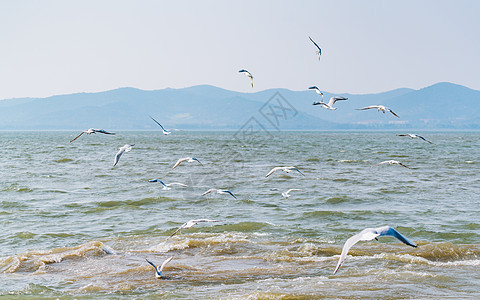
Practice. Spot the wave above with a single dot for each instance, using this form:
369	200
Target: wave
32	261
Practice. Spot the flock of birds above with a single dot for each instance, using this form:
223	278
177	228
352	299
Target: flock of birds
367	234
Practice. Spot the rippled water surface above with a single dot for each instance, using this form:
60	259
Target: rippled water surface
73	226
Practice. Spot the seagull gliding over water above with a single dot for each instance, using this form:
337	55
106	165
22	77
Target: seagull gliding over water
158	270
92	130
190	224
219	192
187	159
415	136
369	234
380	108
121	150
392	162
167	186
284	169
287	193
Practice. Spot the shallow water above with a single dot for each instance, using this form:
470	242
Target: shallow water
75	227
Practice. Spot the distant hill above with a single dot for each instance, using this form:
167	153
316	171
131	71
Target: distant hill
440	106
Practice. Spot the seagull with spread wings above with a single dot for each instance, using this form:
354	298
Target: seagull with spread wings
92	130
392	162
415	136
330	103
369	234
187	159
167	186
122	150
190	224
317	90
221	192
159	269
380	108
284	169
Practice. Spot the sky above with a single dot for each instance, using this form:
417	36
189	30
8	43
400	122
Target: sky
53	47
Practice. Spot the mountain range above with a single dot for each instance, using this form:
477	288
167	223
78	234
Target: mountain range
439	106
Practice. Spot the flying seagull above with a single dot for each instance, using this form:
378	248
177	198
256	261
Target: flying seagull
369	234
287	193
92	130
158	271
380	108
415	136
249	75
317	90
167	186
187	159
330	103
392	162
219	192
284	169
190	224
319	51
121	150
165	132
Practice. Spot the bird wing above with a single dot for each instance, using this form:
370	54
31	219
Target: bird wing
105	132
319	103
335	99
117	156
179	162
197	160
346	247
368	107
209	191
298	171
392	232
402	135
154	266
403	165
424	139
316	45
175	232
290	190
393	113
314	88
165	263
272	171
77	136
158	123
231	194
383	162
177	184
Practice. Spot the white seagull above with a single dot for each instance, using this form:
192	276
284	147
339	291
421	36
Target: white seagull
317	90
380	108
187	159
190	224
284	169
92	130
219	192
165	132
158	270
121	150
287	193
249	75
392	162
167	186
319	50
330	103
415	136
369	234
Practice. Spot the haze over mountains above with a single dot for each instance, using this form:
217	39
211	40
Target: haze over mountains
440	106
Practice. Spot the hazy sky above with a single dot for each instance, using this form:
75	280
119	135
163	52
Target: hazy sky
59	47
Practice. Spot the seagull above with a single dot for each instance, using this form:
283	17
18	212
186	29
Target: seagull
392	162
90	131
248	75
330	103
284	169
121	150
219	192
317	90
414	136
167	186
165	132
369	234
188	159
158	271
287	193
190	224
380	108
319	51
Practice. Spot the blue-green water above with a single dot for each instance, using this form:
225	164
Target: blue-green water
73	226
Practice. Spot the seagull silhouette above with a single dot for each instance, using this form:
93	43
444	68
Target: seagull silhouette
369	234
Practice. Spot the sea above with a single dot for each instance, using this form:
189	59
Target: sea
75	227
